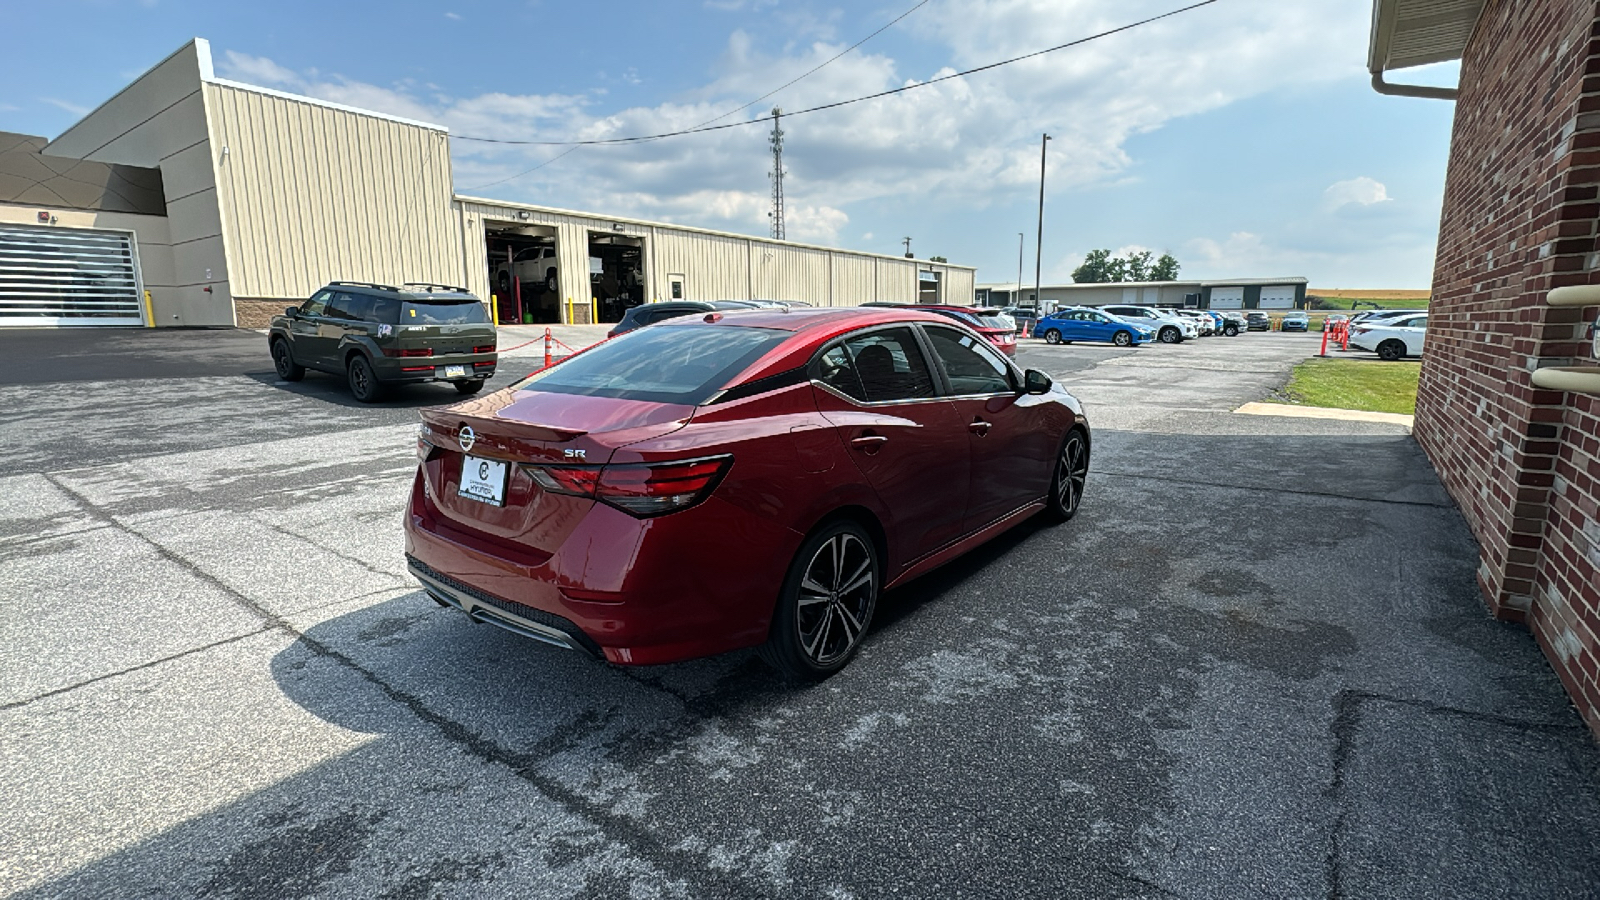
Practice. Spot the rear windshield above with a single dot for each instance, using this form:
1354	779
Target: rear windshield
436	312
671	364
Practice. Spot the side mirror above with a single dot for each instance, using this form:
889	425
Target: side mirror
292	312
1036	382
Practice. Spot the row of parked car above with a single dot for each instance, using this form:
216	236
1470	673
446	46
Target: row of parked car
1127	326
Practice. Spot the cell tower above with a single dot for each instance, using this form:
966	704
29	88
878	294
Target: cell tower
776	140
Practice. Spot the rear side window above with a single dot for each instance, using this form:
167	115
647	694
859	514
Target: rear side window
441	312
672	364
972	369
889	365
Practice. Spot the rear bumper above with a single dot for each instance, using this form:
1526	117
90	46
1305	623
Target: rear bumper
477	366
633	591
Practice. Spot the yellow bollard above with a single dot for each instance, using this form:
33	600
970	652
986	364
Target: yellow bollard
494	309
149	312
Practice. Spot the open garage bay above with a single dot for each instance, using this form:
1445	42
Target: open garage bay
1256	664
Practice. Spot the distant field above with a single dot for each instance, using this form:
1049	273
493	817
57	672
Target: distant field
1383	302
1370	295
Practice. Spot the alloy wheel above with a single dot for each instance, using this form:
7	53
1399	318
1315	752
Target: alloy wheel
1072	471
837	592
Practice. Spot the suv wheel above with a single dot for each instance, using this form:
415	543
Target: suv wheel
505	284
1171	335
550	281
1231	331
364	384
283	362
468	387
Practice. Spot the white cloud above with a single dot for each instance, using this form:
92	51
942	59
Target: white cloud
1363	191
74	108
456	17
967	143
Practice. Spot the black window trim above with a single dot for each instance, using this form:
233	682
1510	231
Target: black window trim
941	388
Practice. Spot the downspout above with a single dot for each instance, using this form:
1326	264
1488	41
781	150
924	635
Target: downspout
1412	90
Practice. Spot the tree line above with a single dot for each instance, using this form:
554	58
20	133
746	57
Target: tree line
1100	267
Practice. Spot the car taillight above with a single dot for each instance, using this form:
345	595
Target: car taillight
639	490
487	349
420	351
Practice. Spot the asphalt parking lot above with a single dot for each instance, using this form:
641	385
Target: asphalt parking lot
1255	665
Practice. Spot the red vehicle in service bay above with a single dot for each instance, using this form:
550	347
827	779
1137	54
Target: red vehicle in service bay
737	479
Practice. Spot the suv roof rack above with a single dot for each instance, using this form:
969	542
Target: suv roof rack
366	284
437	288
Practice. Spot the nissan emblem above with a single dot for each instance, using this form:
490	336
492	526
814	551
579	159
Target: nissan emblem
467	438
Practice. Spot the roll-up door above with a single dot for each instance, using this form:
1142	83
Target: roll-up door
1277	296
67	276
1227	297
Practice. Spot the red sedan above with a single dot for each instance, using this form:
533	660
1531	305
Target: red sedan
999	328
734	480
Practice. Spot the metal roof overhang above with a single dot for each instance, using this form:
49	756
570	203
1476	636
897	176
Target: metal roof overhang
1407	33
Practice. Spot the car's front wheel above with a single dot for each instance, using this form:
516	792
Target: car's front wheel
1052	336
1170	335
1122	339
364	384
283	362
1071	474
1392	350
1231	331
826	603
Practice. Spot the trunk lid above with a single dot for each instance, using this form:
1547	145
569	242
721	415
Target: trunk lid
443	340
538	428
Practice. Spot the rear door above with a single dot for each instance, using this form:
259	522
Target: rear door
1011	452
908	441
1414	331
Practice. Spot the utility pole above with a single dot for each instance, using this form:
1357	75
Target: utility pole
776	140
907	242
1016	299
1038	248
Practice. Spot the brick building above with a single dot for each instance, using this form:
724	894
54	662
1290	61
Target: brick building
1507	409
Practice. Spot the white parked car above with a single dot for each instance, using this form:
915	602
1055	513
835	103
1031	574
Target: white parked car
1169	329
1392	339
1203	321
532	266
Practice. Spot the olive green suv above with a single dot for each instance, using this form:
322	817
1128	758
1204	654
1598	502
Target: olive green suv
375	335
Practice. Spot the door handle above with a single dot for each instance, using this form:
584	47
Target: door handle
979	427
869	443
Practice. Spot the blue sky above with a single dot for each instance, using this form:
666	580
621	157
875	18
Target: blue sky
1241	137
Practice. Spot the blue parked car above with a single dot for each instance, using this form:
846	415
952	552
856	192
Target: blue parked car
1076	324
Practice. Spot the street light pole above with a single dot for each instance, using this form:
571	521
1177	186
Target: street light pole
1038	248
1016	299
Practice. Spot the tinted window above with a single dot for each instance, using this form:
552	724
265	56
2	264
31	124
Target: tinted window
835	369
673	364
971	368
345	306
317	305
442	312
890	365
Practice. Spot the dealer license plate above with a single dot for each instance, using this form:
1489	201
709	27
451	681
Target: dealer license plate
455	372
484	480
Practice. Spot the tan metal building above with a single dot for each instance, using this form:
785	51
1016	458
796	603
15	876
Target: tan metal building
255	198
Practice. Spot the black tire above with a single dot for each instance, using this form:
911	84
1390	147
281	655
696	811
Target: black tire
1122	339
1170	335
504	284
1068	481
550	283
283	362
1231	331
1052	336
364	384
1392	350
468	387
812	604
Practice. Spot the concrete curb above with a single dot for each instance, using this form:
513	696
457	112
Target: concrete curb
1318	412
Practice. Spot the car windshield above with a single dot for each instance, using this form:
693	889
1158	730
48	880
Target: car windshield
441	311
671	364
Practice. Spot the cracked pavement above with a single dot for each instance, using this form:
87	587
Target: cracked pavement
1256	665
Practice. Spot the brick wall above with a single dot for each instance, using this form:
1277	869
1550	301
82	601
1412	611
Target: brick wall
259	313
1521	216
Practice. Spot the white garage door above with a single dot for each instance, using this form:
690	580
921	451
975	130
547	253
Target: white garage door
67	276
1227	298
1277	296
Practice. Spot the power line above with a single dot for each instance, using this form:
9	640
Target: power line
790	83
835	105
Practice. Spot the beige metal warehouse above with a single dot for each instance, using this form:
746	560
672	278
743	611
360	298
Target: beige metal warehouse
265	196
